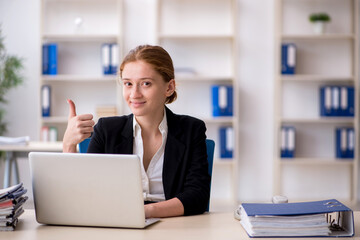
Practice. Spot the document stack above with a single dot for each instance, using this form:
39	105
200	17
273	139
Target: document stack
302	219
11	201
14	140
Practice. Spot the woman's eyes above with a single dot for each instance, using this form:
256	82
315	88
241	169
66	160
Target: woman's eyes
145	84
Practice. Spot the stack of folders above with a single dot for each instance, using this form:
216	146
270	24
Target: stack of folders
302	219
337	101
11	202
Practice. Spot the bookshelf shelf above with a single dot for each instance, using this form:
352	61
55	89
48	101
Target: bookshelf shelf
324	120
79	31
223	162
80	37
78	78
331	59
313	78
317	161
310	37
58	119
187	28
196	36
219	120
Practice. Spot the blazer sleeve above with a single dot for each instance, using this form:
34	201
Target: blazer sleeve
97	142
196	191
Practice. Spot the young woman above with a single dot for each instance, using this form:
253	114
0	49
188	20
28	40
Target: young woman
171	147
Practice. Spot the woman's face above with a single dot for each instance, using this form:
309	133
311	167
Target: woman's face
144	89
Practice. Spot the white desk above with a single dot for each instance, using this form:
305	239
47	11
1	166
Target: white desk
206	226
14	151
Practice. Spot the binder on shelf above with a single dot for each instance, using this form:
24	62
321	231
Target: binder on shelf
44	134
226	142
53	134
347	101
287	142
49	58
114	61
105	54
45	59
345	142
288	58
350	142
46	100
222	100
325	101
336	101
300	219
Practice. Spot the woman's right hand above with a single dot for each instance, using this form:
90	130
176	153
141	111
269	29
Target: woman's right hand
79	127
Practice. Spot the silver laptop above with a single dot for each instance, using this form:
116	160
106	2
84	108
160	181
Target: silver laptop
100	190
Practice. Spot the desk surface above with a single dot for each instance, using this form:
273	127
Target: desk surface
206	226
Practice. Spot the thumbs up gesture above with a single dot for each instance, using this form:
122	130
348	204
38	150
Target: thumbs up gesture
78	128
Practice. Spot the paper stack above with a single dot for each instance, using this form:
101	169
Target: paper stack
11	202
14	140
319	218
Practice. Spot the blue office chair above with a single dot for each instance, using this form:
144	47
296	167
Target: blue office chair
210	147
83	146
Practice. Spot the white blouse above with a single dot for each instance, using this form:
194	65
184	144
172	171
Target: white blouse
152	178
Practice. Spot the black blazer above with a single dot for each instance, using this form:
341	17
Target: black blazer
185	170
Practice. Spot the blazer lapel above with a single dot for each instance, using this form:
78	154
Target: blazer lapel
126	139
174	152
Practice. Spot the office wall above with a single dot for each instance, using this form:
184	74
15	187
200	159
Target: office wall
20	22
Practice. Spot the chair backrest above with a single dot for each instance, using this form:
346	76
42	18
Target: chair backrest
210	148
83	146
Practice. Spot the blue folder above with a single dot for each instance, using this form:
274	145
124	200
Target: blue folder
222	100
53	55
288	58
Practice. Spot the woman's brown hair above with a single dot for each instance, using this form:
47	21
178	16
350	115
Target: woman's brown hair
156	56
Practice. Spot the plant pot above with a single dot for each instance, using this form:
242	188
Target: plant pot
319	27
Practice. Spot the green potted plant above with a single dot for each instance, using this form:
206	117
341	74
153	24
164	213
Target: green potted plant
10	77
319	21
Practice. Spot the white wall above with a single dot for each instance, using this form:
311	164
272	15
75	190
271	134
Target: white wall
20	21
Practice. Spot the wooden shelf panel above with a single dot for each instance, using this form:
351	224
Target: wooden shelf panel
223	161
318	37
219	120
316	161
191	78
324	120
58	119
79	78
316	78
196	36
80	37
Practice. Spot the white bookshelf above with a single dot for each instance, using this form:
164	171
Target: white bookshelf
80	76
203	39
333	59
